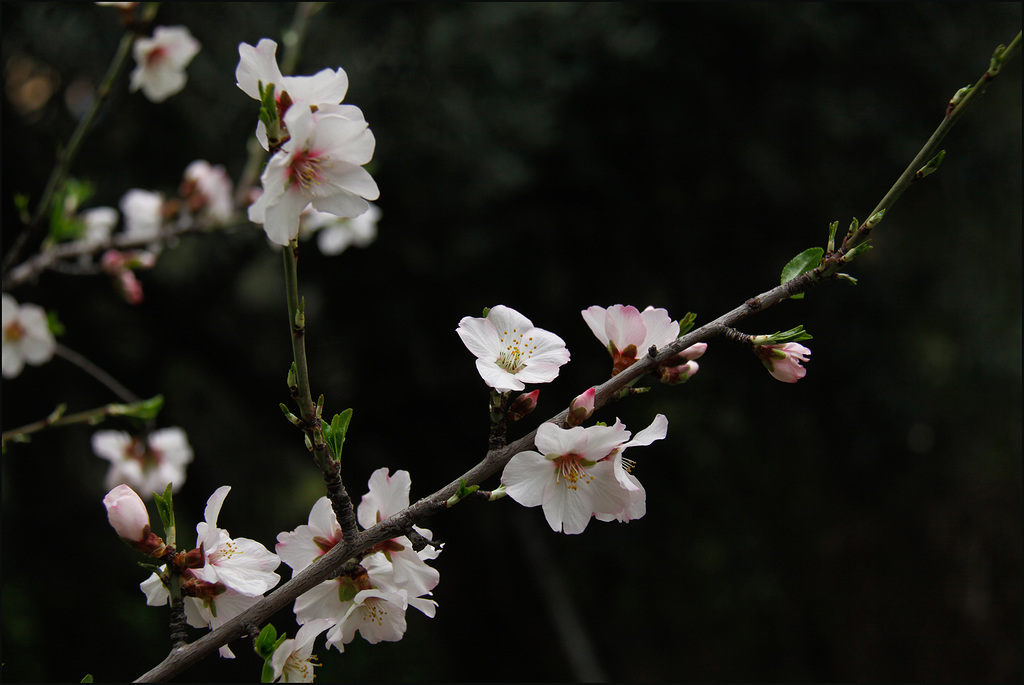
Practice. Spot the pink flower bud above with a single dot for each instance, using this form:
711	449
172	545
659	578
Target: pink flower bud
581	408
130	287
112	262
674	375
523	405
127	513
783	361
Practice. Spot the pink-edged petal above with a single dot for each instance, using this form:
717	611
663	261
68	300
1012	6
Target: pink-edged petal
387	495
595	318
661	330
625	327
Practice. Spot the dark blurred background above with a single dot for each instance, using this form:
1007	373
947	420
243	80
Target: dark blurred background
863	524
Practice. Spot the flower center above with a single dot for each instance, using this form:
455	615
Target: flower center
155	56
375	610
571	471
14	331
515	350
306	170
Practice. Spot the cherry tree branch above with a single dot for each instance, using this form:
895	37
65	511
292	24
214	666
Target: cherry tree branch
329	565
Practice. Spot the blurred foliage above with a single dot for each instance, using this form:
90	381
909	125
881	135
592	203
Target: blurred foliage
863	524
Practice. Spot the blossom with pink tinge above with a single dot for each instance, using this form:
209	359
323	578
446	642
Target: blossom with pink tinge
320	164
578	473
146	464
26	336
161	62
783	361
628	333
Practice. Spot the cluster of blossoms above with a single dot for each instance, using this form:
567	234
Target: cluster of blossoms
222	576
219	579
319	146
372	598
146	464
27	338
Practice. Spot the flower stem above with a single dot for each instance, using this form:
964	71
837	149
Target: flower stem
308	415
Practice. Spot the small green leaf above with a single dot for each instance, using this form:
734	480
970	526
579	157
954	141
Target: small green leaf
801	264
87	678
832	228
334	434
54	324
263	645
686	323
145	410
267	676
165	507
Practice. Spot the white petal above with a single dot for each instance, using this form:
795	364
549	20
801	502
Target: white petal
480	337
526	476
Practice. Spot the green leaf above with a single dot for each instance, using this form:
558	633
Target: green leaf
268	672
87	678
263	645
686	323
145	410
165	507
801	264
334	434
54	324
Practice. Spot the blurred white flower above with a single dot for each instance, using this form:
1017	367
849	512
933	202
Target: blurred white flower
335	234
26	336
143	213
145	465
207	191
161	62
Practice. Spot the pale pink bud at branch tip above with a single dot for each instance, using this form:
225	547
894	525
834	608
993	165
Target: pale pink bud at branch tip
783	361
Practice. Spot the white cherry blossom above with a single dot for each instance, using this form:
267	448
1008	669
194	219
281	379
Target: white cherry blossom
146	464
577	473
26	336
161	61
510	350
320	164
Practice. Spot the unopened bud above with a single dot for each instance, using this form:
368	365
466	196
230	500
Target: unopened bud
674	375
523	405
128	516
581	408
